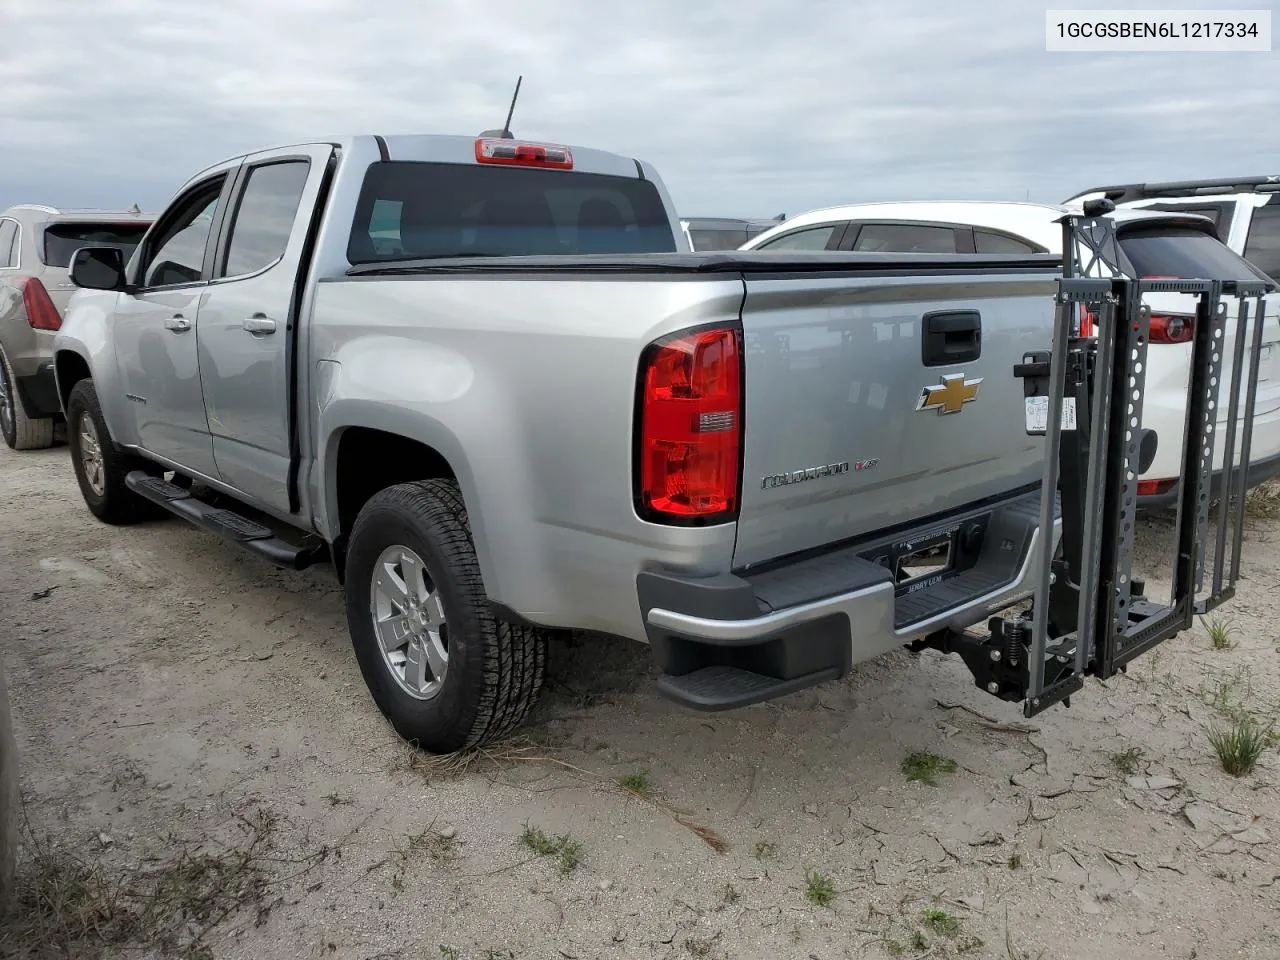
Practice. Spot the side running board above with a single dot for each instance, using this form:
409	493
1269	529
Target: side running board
227	524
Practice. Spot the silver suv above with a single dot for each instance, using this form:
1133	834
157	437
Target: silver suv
36	244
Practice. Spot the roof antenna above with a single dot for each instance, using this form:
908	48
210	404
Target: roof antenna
505	132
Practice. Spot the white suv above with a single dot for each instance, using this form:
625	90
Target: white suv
1156	241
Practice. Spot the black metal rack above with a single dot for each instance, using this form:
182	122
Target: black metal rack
1090	615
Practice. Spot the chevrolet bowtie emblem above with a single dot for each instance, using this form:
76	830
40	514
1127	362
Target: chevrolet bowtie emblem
950	395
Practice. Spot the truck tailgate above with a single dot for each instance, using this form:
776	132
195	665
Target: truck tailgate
865	407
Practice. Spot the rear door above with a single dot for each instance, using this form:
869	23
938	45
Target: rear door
877	400
246	319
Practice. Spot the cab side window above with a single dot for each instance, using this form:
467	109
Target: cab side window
177	254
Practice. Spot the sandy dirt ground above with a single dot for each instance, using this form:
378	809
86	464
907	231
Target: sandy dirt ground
205	776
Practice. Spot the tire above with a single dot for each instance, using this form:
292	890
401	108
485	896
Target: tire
493	669
103	489
20	431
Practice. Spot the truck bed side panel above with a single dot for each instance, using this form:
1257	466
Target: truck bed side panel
528	387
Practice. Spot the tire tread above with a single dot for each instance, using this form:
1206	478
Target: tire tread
512	656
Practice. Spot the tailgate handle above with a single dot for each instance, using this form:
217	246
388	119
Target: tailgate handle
951	336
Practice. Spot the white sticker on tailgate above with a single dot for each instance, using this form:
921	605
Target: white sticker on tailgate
1038	414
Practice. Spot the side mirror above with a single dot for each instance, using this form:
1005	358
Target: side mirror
98	268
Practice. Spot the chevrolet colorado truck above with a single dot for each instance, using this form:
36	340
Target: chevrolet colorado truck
488	381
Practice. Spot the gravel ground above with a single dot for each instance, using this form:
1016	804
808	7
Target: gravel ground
205	776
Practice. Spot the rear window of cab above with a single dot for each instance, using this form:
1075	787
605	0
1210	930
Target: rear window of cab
411	210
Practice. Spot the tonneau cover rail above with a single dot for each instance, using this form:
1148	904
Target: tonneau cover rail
744	262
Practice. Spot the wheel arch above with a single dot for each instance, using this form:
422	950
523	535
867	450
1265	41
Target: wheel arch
359	460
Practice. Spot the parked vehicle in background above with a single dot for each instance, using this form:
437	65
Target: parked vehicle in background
393	353
36	244
724	233
1156	236
1245	210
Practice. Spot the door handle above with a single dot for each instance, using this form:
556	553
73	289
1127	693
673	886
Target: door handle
259	325
951	336
178	324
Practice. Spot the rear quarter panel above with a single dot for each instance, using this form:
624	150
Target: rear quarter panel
527	387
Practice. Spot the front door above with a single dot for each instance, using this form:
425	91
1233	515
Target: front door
155	329
246	319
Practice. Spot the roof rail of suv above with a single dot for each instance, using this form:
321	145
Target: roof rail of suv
1123	193
38	207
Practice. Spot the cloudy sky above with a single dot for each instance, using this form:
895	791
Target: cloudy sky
747	107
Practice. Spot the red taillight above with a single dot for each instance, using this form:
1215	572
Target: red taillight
690	426
523	154
1153	488
41	313
1171	328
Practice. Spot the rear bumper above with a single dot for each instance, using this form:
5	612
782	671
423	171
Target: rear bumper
728	641
38	392
1259	472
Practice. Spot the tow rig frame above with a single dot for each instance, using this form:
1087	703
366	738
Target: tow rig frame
1090	615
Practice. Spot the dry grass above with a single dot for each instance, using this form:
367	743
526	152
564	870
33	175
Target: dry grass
1263	502
71	905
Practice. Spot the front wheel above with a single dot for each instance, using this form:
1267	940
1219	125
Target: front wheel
442	668
101	468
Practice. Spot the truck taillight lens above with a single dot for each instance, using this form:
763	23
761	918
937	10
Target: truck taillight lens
41	313
689	430
1171	328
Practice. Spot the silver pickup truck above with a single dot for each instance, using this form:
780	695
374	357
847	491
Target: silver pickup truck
487	380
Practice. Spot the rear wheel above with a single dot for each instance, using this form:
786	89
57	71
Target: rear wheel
101	468
20	432
444	670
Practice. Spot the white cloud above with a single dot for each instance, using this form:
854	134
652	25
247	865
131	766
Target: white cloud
747	109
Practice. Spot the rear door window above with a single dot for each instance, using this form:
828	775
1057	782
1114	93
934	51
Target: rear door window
264	218
1184	253
62	239
814	238
1262	249
905	238
411	210
985	242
